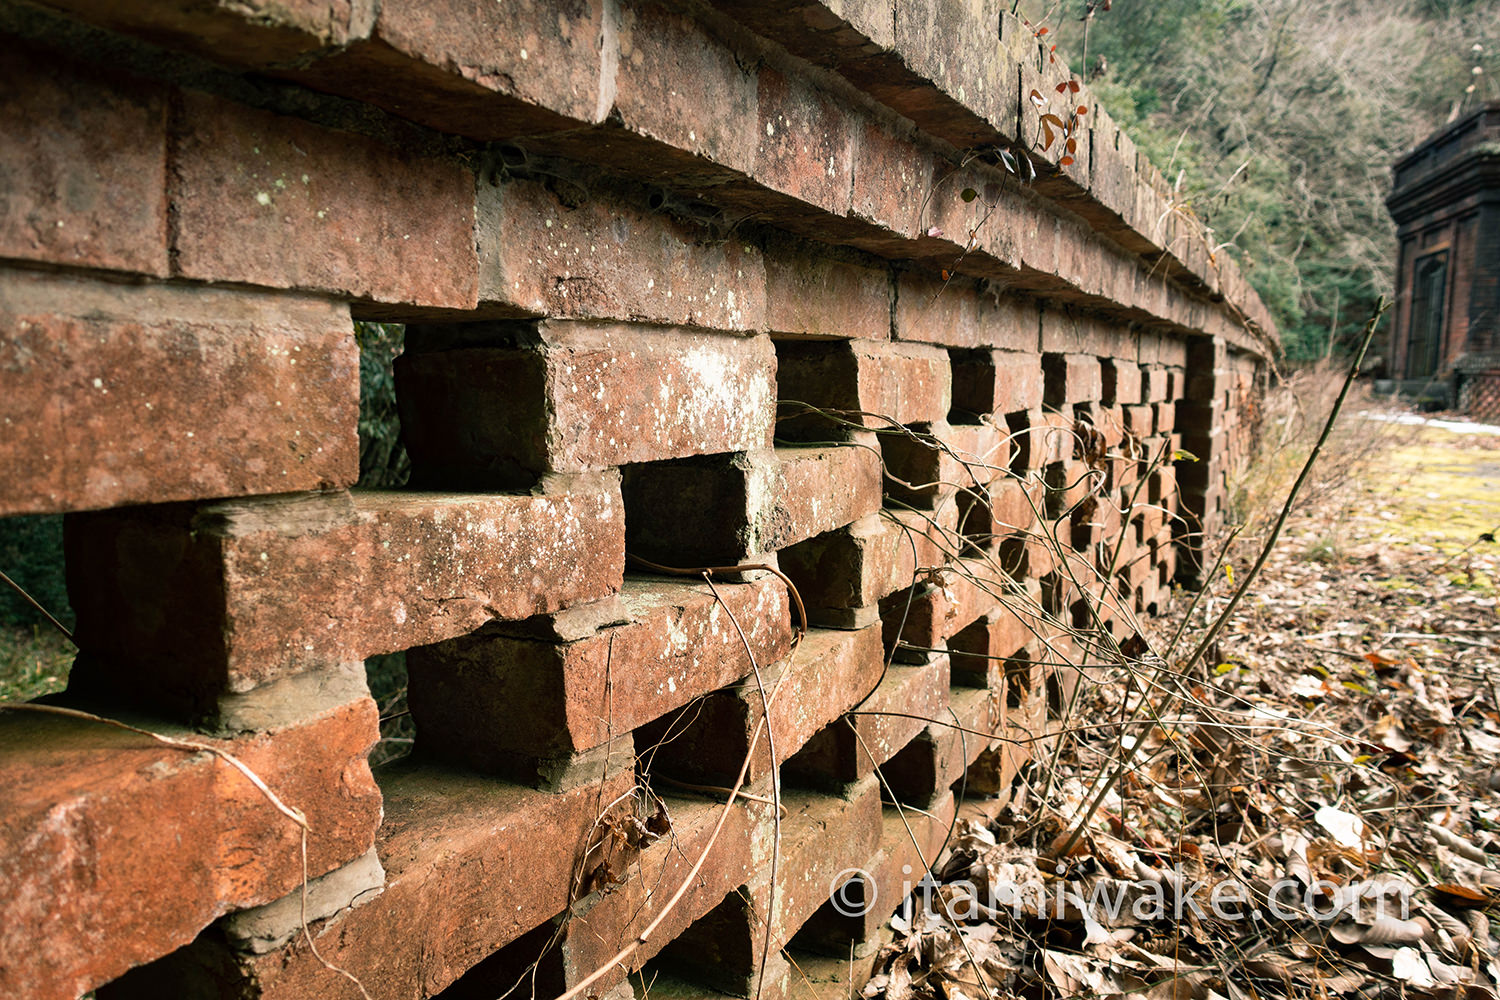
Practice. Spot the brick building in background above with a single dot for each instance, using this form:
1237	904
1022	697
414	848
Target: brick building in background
1445	199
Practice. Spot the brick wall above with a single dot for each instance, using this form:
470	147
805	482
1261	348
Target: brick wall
683	285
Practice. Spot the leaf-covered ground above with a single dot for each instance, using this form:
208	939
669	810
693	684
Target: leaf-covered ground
1313	809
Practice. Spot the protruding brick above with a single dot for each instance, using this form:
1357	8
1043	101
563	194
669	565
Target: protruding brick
586	936
200	600
851	748
317	209
507	403
84	164
674	641
910	842
478	839
927	471
942	604
821	837
257	33
1071	378
855	566
874	384
116	394
92	816
1122	382
481	70
996	382
707	741
722	509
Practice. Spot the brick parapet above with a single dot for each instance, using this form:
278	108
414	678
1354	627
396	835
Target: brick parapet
682	285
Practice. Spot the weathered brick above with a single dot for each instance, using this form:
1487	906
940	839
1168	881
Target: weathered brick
610	258
1166	417
1122	382
709	739
927	471
851	747
962	313
115	394
678	85
873	384
318	209
821	836
978	652
814	294
723	508
804	142
587	935
481	841
910	842
530	399
84	163
1008	505
893	174
257	33
942	604
92	816
489	71
199	600
855	566
996	382
1071	378
1155	385
673	641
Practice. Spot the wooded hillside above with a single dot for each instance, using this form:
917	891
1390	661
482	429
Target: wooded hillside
1279	121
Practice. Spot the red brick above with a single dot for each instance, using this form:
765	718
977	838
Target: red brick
676	642
892	177
904	383
996	382
114	394
222	597
1139	420
978	652
927	770
257	33
609	258
1122	382
1166	417
952	44
724	508
1008	506
910	842
84	163
822	835
804	142
946	601
926	473
1071	378
681	87
93	817
709	739
1155	388
314	208
850	748
1052	438
814	294
962	314
571	397
480	841
589	934
480	69
855	566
